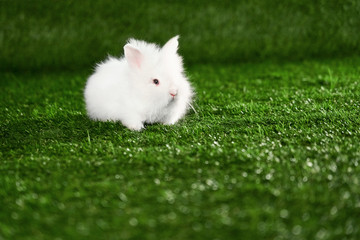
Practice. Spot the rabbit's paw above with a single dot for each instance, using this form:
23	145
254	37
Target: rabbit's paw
135	126
172	122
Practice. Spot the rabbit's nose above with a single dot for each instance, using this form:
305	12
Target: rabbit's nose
173	92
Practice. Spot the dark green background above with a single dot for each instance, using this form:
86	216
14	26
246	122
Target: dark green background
71	35
273	151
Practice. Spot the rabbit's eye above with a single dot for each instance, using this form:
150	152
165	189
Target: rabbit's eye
156	81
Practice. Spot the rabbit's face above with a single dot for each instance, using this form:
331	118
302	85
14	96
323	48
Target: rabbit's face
163	88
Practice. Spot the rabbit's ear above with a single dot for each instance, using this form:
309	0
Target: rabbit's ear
133	56
171	46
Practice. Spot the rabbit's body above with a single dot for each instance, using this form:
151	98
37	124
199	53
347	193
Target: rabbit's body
146	86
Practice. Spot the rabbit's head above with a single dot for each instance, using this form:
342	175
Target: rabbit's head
157	73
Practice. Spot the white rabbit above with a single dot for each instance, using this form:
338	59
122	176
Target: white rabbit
147	85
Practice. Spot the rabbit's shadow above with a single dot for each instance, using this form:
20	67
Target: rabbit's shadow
58	129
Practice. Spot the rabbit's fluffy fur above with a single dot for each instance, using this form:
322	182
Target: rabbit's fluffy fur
147	85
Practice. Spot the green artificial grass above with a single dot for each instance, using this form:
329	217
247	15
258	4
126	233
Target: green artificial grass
272	153
62	35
